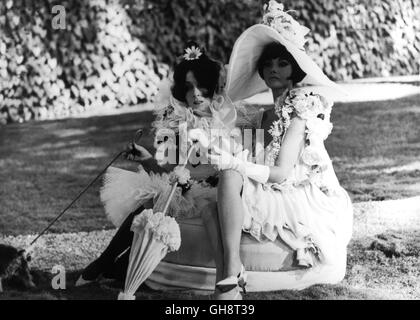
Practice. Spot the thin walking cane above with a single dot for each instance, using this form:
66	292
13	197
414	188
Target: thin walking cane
137	136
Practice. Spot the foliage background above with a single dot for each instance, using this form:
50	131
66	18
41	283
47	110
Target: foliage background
113	53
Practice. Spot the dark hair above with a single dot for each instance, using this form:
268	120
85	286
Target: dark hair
206	71
276	50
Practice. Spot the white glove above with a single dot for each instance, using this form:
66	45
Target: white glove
224	161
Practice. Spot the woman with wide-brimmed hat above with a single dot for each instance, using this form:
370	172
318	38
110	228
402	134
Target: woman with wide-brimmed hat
294	193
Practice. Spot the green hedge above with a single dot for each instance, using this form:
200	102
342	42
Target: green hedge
113	53
48	73
165	25
348	39
363	38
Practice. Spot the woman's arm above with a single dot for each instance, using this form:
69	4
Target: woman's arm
140	154
291	147
290	150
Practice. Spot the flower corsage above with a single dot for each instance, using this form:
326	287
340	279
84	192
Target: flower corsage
182	176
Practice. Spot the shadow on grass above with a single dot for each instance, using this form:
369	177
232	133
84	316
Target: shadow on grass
44	165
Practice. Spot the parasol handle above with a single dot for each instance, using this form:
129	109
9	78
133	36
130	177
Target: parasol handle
75	199
176	182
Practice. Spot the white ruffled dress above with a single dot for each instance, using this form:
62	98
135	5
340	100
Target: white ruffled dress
309	211
124	191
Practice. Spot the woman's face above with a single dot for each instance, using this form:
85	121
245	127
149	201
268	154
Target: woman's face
276	73
197	98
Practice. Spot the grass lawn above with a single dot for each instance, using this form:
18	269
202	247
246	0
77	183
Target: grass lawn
375	147
382	264
110	290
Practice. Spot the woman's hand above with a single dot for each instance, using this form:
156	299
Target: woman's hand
223	160
136	152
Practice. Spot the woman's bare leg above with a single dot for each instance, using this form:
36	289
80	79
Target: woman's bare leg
211	223
230	214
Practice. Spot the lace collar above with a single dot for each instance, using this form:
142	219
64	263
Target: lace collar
222	116
283	111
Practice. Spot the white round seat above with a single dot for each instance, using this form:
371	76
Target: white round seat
270	265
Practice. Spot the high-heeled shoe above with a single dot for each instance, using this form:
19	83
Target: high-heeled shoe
92	273
82	282
231	283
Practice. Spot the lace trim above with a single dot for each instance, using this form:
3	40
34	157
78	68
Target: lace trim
316	110
306	257
290	186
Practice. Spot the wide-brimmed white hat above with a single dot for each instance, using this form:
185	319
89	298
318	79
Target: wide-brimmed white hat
243	80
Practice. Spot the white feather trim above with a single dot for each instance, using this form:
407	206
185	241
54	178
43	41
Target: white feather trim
123	192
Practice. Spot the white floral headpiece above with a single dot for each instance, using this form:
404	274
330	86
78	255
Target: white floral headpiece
284	24
192	53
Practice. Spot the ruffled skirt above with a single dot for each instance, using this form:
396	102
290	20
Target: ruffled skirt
316	225
124	191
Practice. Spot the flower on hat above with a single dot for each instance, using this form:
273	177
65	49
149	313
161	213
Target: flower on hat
192	53
284	24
